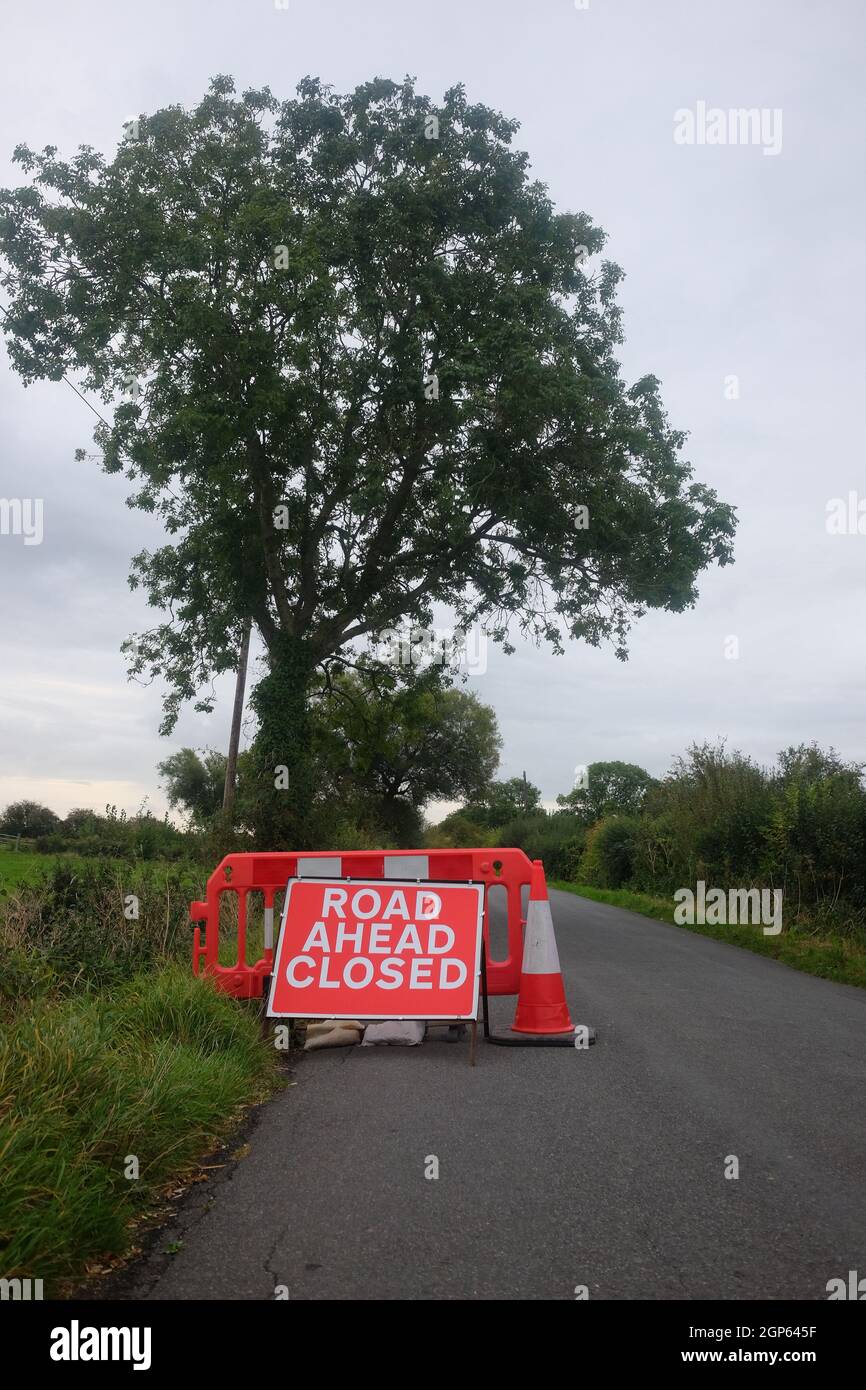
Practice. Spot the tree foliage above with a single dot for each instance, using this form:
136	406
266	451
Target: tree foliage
721	817
610	787
391	741
502	802
28	818
195	782
356	371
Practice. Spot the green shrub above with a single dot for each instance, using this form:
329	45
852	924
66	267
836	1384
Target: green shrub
716	806
557	840
658	859
23	975
608	860
815	839
459	832
118	836
348	835
73	920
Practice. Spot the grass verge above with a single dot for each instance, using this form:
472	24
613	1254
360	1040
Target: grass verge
156	1071
829	956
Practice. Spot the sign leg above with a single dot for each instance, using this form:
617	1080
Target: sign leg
485	1004
266	989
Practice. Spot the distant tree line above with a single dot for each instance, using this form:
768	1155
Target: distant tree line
799	825
387	744
111	834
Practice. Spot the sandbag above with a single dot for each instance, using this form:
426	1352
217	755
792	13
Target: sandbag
334	1037
395	1032
327	1025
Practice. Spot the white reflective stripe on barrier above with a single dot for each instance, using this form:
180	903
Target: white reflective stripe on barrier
320	867
407	866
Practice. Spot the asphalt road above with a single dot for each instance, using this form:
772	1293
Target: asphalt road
560	1168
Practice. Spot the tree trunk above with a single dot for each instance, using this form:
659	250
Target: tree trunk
282	752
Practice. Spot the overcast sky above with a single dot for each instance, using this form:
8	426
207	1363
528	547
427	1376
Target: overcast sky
742	260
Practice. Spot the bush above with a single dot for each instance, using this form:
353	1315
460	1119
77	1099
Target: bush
721	818
718	804
460	832
72	920
556	840
349	835
658	859
608	860
118	836
814	841
24	975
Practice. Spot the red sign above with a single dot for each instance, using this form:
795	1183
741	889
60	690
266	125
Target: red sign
378	948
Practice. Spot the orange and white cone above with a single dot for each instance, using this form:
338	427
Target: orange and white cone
541	1006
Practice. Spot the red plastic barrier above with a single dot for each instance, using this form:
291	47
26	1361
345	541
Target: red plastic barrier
269	873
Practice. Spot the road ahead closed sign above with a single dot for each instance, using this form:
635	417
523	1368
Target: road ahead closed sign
378	949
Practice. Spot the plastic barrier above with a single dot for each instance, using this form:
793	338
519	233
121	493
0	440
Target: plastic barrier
268	874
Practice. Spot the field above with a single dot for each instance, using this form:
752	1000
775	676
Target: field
21	866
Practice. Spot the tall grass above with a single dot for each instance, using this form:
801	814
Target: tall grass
90	925
114	1059
154	1071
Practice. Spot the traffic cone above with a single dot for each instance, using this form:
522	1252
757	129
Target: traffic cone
541	1006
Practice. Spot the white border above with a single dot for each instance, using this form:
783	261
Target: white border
390	883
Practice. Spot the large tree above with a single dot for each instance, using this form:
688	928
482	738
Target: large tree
195	781
28	818
612	788
394	740
501	802
360	366
507	801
